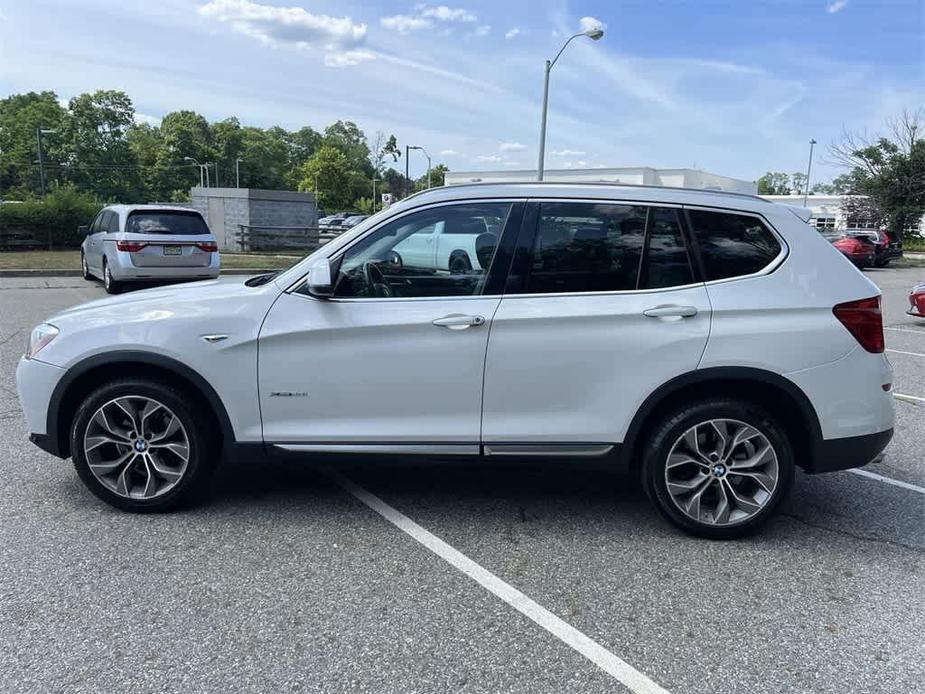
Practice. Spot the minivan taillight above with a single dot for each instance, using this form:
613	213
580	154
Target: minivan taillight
130	246
207	246
863	319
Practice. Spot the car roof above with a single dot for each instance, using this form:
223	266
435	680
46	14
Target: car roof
603	191
126	209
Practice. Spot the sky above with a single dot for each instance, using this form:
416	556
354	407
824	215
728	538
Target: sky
735	87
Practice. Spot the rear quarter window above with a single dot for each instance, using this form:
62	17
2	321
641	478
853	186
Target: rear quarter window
732	245
170	222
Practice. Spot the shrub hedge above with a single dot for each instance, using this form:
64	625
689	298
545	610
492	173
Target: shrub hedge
52	220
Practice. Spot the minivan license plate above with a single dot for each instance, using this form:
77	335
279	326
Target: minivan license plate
173	250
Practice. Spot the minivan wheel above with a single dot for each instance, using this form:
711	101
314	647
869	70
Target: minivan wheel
718	469
84	268
109	284
142	446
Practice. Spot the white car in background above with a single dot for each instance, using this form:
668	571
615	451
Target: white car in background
147	243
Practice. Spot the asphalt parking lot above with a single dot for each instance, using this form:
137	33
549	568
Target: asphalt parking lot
287	581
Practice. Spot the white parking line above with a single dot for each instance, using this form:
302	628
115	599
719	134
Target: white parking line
886	480
905	330
622	671
911	354
908	398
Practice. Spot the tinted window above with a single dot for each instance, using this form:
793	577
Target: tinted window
666	263
732	245
97	223
111	224
166	222
586	247
401	259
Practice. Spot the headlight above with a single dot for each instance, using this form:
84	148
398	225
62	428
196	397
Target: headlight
40	336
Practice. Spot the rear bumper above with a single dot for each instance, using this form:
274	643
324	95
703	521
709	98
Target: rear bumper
124	270
849	452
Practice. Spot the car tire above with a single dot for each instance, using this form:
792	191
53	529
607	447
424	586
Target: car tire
109	284
459	263
173	465
690	494
84	268
882	263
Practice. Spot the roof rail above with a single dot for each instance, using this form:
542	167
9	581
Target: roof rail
580	184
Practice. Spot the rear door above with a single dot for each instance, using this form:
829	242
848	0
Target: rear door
169	238
603	307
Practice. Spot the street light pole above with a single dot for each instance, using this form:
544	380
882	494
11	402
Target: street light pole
41	151
595	35
407	180
374	193
200	168
809	168
428	161
237	173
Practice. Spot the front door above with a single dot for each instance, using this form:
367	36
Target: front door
606	309
395	359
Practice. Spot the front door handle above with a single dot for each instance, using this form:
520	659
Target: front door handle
671	311
458	321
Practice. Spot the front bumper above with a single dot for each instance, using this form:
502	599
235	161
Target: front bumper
848	452
35	383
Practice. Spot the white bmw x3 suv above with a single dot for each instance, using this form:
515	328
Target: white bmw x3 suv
145	243
709	343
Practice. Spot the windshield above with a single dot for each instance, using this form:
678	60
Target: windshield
172	222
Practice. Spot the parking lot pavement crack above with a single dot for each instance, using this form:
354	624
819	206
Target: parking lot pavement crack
9	337
856	536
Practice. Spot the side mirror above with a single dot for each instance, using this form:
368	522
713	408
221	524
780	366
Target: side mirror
320	279
83	229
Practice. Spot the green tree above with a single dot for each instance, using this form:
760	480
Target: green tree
437	175
184	134
20	116
228	141
145	142
328	171
890	169
798	183
774	183
100	159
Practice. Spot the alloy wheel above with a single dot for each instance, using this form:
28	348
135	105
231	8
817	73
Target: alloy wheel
721	472
136	447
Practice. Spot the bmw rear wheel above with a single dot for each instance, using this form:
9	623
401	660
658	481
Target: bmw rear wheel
718	469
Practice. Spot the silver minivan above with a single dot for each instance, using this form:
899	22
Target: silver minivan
147	243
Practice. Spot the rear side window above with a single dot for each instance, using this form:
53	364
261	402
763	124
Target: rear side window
586	247
171	222
111	223
732	245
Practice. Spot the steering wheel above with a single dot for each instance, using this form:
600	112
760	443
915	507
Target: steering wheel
375	281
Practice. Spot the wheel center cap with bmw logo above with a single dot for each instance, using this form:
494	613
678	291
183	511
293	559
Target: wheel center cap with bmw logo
719	470
140	445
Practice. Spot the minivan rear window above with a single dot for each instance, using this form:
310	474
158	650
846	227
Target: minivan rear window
732	245
171	222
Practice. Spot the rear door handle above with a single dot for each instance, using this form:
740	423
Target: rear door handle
457	321
671	311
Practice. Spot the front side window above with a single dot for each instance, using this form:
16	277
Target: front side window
732	245
170	222
586	247
441	251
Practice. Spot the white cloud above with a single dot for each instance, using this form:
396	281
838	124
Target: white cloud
579	164
512	147
566	152
403	23
443	13
338	37
348	58
493	158
448	152
144	118
482	30
512	33
836	6
590	23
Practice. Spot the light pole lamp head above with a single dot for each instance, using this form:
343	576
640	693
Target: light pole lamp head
595	33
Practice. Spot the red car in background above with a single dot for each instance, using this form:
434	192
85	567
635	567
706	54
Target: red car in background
859	249
917	301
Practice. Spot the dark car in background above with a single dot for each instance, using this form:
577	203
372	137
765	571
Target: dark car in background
887	247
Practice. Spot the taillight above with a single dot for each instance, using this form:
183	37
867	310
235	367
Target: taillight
863	319
208	246
130	246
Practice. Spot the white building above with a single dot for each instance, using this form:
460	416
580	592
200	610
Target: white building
640	175
826	211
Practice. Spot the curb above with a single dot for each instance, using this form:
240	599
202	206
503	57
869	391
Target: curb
76	273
